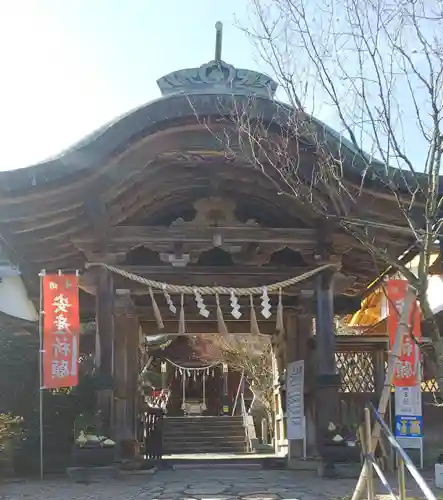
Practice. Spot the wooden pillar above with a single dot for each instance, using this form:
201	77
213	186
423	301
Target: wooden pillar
133	361
305	330
328	380
126	370
105	348
122	327
378	360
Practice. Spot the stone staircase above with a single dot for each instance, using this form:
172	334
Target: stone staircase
193	435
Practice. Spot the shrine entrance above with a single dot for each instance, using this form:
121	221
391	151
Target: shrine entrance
177	234
195	390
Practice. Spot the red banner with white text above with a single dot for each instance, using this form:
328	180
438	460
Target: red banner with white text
61	331
407	369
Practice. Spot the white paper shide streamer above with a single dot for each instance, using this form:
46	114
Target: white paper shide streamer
265	304
235	306
168	299
202	309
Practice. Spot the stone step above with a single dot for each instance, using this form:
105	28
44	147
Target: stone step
196	427
203	421
208	436
219	461
238	433
194	439
216	441
212	444
192	449
194	435
205	431
218	466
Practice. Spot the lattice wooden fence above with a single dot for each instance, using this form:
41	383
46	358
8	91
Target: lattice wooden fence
429	385
356	365
357	371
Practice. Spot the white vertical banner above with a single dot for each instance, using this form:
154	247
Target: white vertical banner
295	411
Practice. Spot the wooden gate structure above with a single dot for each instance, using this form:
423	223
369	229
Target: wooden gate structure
157	193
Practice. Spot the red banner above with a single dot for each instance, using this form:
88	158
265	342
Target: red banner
408	364
61	331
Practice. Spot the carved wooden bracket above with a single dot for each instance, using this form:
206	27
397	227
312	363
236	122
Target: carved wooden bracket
214	212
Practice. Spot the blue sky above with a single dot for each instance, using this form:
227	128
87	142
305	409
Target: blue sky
68	66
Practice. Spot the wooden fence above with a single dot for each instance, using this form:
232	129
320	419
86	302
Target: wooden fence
362	363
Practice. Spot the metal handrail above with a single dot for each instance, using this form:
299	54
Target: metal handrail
245	420
239	389
402	457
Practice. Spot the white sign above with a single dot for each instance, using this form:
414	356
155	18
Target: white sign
408	418
408	401
295	400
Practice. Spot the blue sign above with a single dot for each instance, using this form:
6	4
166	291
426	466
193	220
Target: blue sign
408	426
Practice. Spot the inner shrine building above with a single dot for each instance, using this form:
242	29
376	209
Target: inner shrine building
160	193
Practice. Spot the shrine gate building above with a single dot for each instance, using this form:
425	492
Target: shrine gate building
160	194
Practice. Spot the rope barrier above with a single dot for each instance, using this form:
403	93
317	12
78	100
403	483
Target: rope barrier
212	290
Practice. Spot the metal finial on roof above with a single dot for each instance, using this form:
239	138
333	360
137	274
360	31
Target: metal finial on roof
218	40
218	76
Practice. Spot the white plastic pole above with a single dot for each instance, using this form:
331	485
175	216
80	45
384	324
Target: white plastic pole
402	329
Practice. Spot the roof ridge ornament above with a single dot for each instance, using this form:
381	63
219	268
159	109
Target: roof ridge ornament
217	77
218	41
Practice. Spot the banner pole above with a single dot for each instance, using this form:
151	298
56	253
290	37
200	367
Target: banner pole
40	335
394	353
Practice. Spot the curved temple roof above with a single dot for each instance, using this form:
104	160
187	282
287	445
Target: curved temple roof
183	92
152	158
215	78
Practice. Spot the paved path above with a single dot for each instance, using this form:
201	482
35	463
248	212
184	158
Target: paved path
204	484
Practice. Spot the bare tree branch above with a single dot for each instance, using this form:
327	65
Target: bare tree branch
377	65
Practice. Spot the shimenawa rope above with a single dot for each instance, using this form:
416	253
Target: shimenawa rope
212	290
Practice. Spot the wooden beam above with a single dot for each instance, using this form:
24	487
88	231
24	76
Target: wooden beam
144	235
209	327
